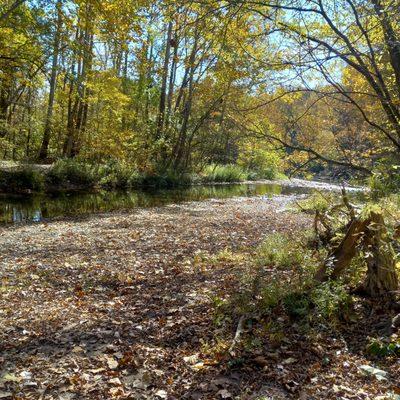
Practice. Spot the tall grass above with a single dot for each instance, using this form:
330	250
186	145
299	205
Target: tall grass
224	173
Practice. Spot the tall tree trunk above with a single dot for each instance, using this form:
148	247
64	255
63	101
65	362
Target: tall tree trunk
148	80
4	104
172	77
77	118
179	152
83	95
163	94
29	130
68	142
43	153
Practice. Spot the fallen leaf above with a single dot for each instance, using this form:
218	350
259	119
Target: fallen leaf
112	363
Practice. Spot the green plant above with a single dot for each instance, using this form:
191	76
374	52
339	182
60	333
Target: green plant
331	300
280	251
263	164
385	180
297	304
224	173
117	175
72	172
272	293
21	179
167	179
380	348
317	202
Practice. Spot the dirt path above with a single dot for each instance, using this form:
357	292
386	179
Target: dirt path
109	307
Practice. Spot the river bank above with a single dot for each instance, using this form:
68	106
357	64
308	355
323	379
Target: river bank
70	175
117	306
45	207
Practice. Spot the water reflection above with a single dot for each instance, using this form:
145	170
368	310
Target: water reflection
36	208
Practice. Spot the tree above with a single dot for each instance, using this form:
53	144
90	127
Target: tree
319	38
8	11
53	80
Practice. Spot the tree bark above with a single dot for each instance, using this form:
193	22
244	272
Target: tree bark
381	276
340	257
371	235
179	149
43	153
163	95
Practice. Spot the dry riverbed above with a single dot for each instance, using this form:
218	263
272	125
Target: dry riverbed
115	307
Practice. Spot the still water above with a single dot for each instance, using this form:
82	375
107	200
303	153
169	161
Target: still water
36	208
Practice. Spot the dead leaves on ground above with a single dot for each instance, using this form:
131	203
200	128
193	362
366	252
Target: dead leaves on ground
118	306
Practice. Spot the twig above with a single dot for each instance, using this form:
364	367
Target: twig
239	332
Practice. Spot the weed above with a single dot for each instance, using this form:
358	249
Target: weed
117	175
380	348
280	251
224	173
331	300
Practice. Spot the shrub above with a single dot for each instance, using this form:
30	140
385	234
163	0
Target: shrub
272	293
224	173
263	164
280	251
385	180
381	348
21	179
331	300
72	172
117	175
167	179
317	202
297	304
281	278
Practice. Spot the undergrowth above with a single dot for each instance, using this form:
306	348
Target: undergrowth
22	179
224	173
75	174
72	172
277	284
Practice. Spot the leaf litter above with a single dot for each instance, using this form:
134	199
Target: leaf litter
118	306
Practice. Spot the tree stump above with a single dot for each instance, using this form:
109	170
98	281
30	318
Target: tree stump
340	257
371	235
381	276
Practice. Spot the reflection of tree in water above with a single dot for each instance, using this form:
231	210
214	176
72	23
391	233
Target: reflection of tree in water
38	207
